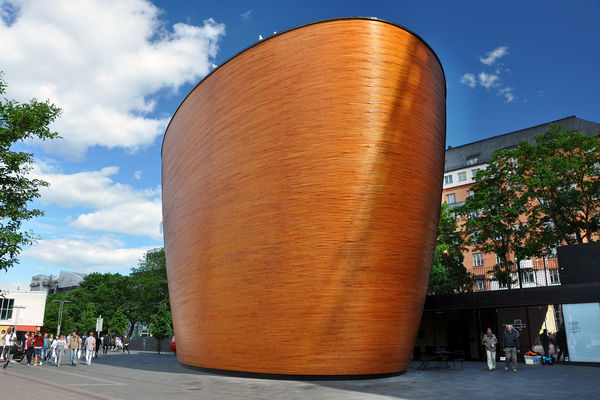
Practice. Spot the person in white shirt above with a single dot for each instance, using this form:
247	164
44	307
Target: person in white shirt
90	348
10	338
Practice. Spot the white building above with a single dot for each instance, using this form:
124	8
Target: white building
22	309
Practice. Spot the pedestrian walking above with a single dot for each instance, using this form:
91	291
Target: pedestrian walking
2	334
561	342
38	348
105	343
47	343
60	349
90	348
490	342
511	346
74	345
53	343
28	346
10	340
545	341
126	344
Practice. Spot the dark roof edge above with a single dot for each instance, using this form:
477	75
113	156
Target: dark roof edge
299	27
510	133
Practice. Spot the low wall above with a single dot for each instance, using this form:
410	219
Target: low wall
150	344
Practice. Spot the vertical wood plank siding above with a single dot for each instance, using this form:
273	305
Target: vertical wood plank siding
301	187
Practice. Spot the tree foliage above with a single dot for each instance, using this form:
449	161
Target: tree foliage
531	198
161	326
560	175
492	213
19	122
122	300
448	274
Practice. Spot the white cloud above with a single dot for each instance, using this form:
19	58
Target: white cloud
487	80
103	62
14	286
137	175
495	54
507	93
116	207
469	79
103	254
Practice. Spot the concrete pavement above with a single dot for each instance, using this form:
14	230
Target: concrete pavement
150	376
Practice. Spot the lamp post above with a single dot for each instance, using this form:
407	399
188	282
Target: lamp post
19	308
60	310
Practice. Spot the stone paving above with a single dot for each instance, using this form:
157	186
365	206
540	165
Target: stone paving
145	375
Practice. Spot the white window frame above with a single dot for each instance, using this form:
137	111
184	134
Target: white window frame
480	284
448	179
477	259
449	196
554	276
462	176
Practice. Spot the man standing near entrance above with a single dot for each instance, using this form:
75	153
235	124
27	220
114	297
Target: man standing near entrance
511	347
490	342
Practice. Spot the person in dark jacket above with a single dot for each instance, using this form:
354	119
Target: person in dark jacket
545	341
511	347
561	342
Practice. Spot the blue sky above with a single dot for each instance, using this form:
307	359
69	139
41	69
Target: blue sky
119	69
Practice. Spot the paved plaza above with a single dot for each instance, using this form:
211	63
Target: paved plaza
147	375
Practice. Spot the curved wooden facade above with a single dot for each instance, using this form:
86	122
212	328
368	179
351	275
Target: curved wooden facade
301	186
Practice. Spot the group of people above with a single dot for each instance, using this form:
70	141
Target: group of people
511	346
38	348
115	343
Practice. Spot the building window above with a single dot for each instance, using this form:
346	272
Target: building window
476	237
477	259
554	277
480	284
500	260
473	214
527	276
451	198
470	193
6	308
462	176
472	160
448	179
474	172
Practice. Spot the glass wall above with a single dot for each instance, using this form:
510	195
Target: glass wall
582	326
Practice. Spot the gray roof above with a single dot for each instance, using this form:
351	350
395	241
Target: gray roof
456	157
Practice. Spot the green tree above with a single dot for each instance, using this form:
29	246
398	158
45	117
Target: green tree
448	274
560	175
492	215
161	326
51	313
87	318
148	287
19	122
118	322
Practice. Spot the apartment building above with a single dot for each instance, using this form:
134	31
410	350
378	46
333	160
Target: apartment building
463	162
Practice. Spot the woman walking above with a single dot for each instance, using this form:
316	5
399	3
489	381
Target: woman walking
490	342
28	346
60	348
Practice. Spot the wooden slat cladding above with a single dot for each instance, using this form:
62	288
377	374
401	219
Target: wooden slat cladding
301	186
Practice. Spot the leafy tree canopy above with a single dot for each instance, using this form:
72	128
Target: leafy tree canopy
492	213
560	175
18	122
448	274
